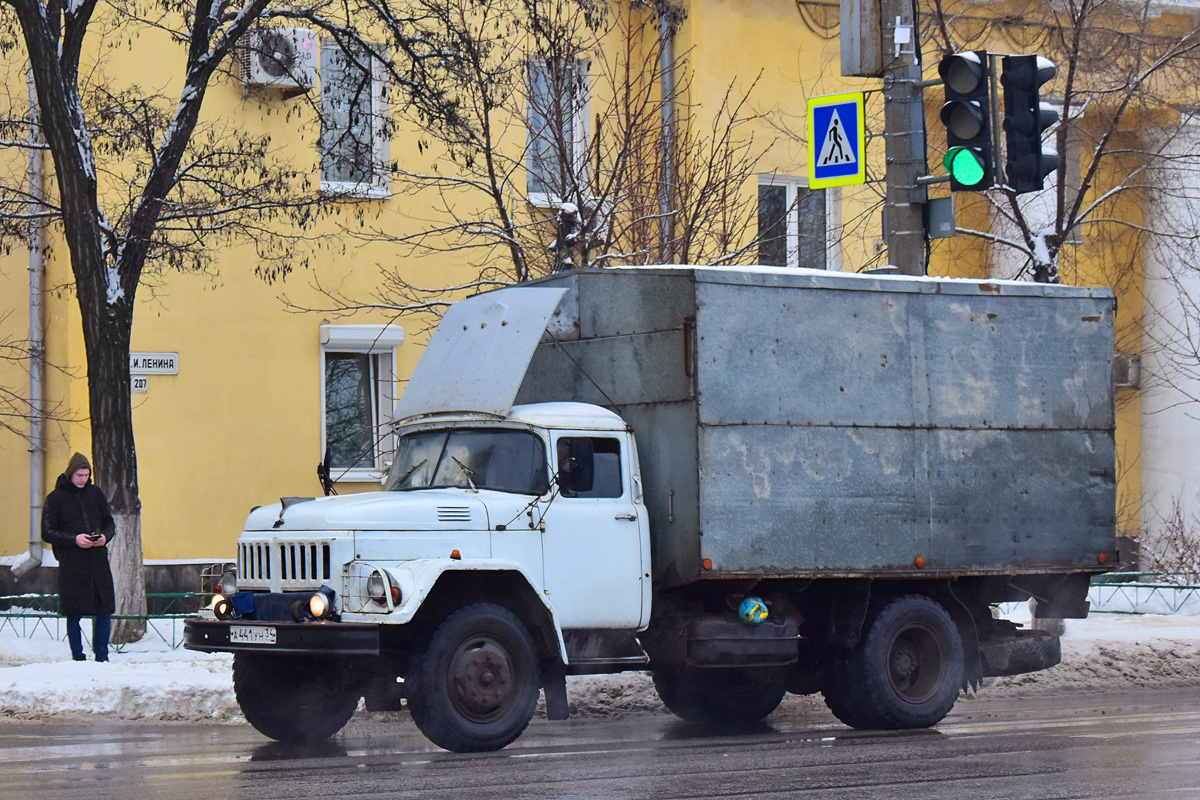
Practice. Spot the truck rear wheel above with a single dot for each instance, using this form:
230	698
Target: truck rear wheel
725	695
905	673
292	698
475	686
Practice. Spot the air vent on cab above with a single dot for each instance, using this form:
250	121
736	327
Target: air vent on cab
454	514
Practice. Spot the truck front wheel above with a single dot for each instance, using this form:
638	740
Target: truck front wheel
905	673
292	698
727	695
475	686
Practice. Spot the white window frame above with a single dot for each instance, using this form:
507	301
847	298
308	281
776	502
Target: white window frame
379	342
380	185
833	254
579	133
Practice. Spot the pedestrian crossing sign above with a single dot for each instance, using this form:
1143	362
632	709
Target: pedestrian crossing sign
836	140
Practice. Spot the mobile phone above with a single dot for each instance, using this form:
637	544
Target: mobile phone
93	536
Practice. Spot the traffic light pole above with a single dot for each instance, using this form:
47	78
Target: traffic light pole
904	138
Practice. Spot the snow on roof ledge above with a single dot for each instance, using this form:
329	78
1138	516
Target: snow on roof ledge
820	278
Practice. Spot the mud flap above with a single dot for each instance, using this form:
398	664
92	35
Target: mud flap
1027	651
554	685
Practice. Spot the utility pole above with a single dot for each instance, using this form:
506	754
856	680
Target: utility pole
904	137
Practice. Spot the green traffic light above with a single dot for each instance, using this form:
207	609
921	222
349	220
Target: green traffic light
964	165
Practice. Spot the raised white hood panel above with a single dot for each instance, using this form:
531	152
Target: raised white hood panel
478	356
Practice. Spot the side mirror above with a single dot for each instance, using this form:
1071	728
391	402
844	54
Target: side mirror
577	471
325	475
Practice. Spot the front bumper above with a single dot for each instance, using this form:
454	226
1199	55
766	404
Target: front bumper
309	638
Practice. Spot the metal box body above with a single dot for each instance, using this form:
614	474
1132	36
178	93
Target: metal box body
814	424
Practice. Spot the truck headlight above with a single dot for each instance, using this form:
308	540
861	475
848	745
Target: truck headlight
228	585
377	588
380	587
322	603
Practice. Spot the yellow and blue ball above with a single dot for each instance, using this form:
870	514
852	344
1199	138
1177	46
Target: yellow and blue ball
752	610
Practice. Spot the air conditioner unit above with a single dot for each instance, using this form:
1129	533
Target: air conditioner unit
283	58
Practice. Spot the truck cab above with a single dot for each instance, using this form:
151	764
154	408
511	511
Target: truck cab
532	514
551	492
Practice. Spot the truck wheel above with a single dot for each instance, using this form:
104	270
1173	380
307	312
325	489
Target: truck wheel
906	672
292	699
844	697
721	695
475	686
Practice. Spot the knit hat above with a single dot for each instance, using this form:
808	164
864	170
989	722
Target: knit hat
78	461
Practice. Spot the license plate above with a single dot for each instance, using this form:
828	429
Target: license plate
245	634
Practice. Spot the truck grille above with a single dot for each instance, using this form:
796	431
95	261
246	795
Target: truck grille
295	564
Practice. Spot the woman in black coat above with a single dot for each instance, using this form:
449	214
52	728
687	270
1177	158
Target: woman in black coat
78	524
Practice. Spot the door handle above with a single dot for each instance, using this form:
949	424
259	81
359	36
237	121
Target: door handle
630	517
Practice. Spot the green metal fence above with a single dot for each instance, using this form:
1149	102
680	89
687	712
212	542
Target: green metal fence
31	615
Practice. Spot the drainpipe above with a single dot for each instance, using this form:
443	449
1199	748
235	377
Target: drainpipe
665	34
37	271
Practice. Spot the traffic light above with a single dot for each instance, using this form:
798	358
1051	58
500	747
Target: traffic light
1025	118
967	116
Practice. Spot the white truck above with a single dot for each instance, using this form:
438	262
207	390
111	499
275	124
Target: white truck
595	470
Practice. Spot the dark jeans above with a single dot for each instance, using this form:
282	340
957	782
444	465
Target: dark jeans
101	628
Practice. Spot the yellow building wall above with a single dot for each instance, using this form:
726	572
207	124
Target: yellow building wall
240	425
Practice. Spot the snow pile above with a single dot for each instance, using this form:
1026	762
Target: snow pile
1117	651
38	679
151	681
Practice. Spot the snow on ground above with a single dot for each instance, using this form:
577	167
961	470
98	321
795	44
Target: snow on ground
151	681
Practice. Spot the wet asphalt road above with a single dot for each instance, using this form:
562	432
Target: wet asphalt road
1136	745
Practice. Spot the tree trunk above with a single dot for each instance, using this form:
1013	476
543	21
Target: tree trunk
125	557
114	458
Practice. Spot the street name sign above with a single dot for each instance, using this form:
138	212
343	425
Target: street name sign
154	363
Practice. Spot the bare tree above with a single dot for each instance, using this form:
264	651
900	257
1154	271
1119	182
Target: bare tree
16	408
1172	547
142	182
533	186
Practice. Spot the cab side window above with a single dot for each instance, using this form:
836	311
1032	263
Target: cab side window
605	467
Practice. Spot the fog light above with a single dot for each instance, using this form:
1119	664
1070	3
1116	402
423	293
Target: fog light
322	603
228	584
221	607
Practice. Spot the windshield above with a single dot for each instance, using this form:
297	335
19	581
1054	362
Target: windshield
471	458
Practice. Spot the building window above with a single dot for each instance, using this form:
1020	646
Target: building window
358	383
556	118
793	224
354	145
